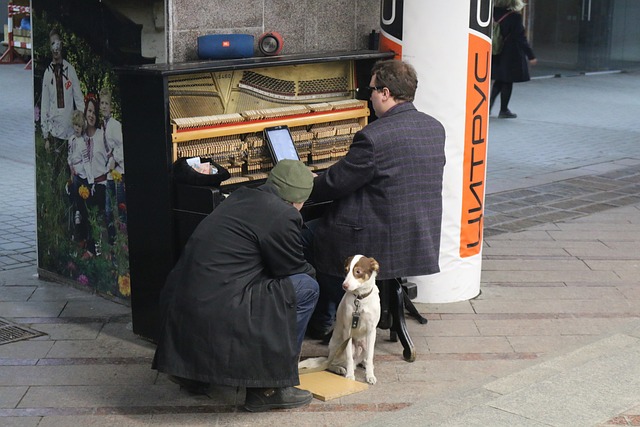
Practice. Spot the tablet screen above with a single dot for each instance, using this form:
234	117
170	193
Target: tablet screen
280	143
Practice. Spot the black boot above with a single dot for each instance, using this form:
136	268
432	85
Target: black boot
507	114
264	399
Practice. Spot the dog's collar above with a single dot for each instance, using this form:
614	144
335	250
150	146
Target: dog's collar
365	295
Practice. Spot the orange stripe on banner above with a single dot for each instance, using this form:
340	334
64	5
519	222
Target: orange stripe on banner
475	145
387	45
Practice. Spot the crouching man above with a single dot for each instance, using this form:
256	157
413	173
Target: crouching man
236	305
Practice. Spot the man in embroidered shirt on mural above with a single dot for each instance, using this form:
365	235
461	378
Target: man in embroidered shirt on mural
61	95
235	307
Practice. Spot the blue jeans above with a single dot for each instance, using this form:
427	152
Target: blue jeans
307	290
331	294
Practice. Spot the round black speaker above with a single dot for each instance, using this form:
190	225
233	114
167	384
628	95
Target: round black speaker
270	43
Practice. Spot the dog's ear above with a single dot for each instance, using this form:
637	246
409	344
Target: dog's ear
374	265
347	263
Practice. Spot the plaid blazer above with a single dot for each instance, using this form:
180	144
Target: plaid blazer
387	197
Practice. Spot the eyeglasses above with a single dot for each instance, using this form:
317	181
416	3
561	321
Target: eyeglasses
368	89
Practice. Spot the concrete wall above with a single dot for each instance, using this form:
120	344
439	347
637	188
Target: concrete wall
305	25
151	15
171	27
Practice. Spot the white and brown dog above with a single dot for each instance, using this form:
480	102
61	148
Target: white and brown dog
354	334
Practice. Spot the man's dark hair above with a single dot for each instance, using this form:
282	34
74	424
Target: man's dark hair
399	77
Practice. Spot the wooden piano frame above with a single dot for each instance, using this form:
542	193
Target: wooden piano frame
162	214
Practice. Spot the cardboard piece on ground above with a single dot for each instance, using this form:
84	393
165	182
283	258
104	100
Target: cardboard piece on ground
327	385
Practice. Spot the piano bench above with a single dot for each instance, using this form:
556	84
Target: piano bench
395	298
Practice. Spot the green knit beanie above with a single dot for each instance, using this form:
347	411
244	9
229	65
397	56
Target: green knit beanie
292	179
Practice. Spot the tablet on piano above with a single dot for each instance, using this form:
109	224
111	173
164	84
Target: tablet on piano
280	143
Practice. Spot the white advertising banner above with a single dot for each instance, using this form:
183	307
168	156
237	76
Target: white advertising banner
450	47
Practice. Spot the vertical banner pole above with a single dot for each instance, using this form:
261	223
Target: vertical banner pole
450	47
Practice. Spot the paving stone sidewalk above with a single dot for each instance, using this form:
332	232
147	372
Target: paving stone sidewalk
552	341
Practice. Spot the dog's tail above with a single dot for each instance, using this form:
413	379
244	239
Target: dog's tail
313	364
317	364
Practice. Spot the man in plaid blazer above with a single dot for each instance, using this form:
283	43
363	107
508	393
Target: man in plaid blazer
386	192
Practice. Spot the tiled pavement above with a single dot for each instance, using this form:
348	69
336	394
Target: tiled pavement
572	198
17	172
553	340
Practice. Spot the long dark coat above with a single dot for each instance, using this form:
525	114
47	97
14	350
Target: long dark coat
512	64
387	194
229	308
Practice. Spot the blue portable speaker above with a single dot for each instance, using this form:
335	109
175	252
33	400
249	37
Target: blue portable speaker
225	46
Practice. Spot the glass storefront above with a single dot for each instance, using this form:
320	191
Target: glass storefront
575	36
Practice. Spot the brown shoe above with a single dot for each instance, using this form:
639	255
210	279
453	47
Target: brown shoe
265	399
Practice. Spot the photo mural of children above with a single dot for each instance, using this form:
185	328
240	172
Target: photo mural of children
77	153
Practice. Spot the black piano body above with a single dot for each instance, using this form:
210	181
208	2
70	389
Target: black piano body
193	203
218	109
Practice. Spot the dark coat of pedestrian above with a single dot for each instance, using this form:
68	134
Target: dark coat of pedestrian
511	65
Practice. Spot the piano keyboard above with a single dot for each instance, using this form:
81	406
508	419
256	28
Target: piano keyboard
274	112
194	122
268	113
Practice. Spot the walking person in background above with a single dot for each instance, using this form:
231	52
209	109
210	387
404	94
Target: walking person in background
511	65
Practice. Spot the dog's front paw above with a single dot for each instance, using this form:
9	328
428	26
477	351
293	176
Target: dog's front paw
350	376
371	379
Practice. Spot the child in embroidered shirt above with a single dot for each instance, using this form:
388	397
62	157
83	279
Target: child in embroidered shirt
79	165
115	195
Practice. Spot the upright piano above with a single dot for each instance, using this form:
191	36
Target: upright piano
218	110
